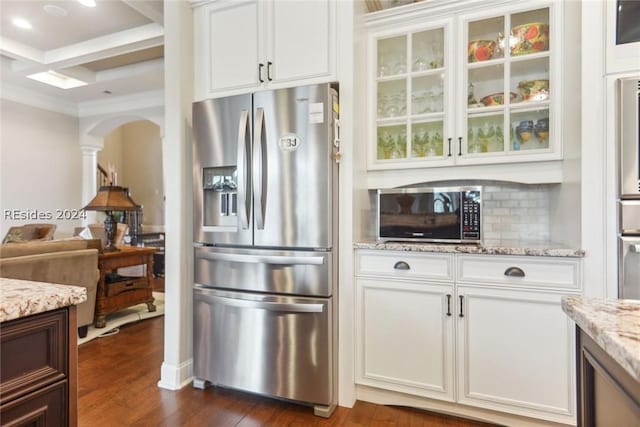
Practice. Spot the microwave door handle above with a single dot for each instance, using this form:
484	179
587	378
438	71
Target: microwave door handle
259	169
243	171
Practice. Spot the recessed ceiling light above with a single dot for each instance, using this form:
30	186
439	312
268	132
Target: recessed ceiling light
56	79
55	10
21	23
88	3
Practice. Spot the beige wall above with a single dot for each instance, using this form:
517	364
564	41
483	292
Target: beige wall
40	167
136	150
111	153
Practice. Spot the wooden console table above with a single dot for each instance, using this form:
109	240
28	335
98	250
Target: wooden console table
117	292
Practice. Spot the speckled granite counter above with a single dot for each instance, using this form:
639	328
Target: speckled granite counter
505	247
613	324
20	298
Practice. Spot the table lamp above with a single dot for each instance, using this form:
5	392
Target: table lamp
111	198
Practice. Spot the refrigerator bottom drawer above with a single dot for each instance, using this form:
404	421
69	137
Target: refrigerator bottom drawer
271	345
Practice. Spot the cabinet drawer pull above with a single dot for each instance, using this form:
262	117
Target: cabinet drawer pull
461	306
449	139
448	304
514	272
401	265
269	64
260	66
459	146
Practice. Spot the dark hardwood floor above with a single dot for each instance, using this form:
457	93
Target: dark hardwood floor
118	378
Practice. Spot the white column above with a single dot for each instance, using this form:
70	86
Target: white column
89	178
177	367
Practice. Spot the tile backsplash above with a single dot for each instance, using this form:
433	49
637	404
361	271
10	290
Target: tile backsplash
516	211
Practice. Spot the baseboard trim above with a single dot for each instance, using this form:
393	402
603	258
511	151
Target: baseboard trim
174	377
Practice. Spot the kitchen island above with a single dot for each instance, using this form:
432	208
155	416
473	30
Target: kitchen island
608	360
38	376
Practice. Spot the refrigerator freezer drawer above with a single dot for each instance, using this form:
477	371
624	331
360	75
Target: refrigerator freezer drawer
271	345
271	271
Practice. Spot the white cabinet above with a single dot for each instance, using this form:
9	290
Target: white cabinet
465	84
515	352
246	45
494	323
405	336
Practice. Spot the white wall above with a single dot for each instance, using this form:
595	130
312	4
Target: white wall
135	149
40	165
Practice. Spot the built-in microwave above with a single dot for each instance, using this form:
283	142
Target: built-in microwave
430	214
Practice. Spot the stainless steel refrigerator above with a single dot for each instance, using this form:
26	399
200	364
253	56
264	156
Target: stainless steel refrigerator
265	224
629	188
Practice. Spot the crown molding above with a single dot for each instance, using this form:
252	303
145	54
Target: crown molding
32	98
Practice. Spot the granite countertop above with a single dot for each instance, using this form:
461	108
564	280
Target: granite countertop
613	324
21	298
501	247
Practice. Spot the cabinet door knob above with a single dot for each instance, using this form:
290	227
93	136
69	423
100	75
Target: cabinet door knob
514	272
269	64
401	265
260	66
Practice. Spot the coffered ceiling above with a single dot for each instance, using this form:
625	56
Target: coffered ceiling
115	47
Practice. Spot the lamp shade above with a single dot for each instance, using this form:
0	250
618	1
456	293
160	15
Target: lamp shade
112	198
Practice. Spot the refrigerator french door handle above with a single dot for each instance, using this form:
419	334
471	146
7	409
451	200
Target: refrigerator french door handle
264	305
243	181
262	259
258	172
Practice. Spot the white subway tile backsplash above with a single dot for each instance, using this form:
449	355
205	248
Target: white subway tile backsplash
516	211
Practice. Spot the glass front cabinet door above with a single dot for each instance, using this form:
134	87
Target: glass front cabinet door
477	87
411	93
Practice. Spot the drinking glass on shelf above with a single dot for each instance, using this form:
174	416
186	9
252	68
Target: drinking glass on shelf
436	142
419	101
400	67
386	143
420	142
437	52
400	149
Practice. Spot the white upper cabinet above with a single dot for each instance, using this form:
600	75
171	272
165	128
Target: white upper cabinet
464	86
303	40
246	45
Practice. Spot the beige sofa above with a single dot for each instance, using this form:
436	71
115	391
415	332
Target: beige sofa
66	262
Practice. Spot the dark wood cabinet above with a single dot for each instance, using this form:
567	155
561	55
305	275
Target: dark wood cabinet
607	394
38	369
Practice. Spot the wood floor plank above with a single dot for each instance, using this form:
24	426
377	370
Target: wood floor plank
117	386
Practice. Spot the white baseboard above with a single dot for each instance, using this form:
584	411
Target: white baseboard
174	377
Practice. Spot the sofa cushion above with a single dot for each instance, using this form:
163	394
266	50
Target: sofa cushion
39	247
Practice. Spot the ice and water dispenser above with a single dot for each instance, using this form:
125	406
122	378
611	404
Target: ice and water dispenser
220	196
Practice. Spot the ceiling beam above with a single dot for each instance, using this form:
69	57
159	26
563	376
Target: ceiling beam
126	41
20	51
151	10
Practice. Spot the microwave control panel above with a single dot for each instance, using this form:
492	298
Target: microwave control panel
471	215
